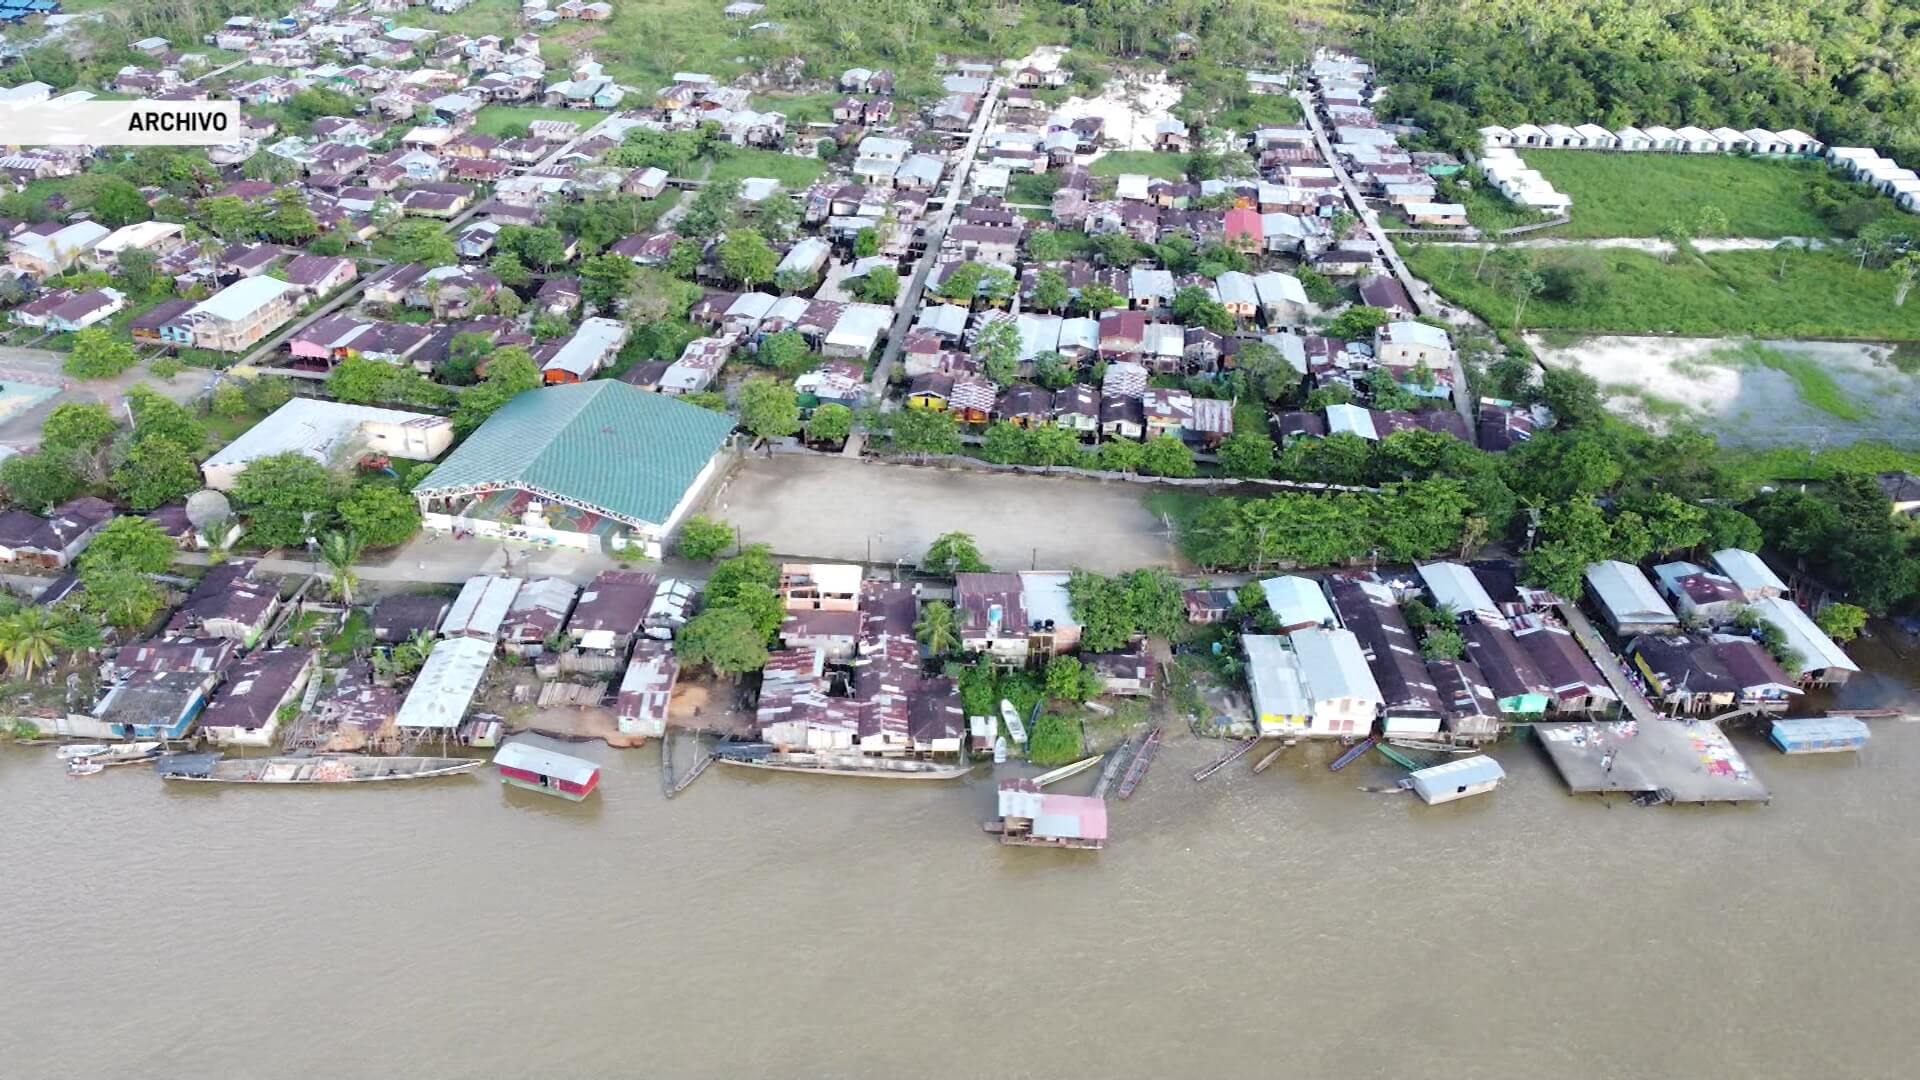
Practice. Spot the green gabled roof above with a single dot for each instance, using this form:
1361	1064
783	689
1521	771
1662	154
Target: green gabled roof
602	444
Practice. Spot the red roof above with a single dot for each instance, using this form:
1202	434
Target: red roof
1242	221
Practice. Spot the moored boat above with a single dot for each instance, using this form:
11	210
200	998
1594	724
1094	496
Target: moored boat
84	767
1016	728
846	763
315	769
71	751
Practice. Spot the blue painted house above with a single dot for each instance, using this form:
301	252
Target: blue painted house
153	705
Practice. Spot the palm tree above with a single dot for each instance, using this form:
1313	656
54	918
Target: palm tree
28	639
936	629
341	551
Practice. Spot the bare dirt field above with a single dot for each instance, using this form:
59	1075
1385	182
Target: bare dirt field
20	428
1751	393
837	508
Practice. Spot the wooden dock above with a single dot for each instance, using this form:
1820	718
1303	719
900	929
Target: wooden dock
1239	751
1137	768
1688	761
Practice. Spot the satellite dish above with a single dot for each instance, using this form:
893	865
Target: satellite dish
207	507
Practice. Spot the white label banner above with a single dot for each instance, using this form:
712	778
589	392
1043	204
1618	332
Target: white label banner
120	123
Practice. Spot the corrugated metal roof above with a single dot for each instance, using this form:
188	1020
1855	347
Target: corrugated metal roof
480	608
535	758
1334	666
446	684
1748	571
1460	772
1627	594
1455	586
604	444
1811	642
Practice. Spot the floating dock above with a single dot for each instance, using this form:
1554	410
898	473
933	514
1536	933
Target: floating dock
1687	761
1351	754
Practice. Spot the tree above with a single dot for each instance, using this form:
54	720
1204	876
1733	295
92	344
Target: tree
511	270
1114	610
233	218
830	423
1166	455
1052	371
1904	268
769	409
746	258
380	514
961	284
937	629
363	380
28	639
604	279
786	352
702	539
123	597
132	543
924	432
510	373
724	639
341	554
759	601
79	427
465	355
537	245
866	243
423	242
998	285
1004	443
997	346
287	499
79	635
1248	454
753	566
1121	455
1841	622
1051	445
115	202
137	270
1095	298
157	469
1047	245
1068	680
1729	528
1050	292
880	285
1358	322
1442	643
953	553
288	219
97	354
710	400
40	481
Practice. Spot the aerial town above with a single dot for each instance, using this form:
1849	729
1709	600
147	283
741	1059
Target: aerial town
472	409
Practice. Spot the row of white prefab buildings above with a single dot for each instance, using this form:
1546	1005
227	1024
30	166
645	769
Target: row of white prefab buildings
1500	160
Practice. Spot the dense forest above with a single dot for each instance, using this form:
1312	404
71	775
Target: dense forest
1840	71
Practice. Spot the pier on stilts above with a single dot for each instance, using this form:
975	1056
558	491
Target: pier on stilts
1239	751
671	786
1137	768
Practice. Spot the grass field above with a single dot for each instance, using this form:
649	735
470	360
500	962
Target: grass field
794	172
493	119
1794	463
1164	166
1258	111
1641	194
799	109
1794	294
1489	211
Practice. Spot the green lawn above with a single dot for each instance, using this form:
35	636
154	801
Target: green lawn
1035	188
1641	194
793	171
800	109
1164	166
1797	463
494	119
1258	111
1739	293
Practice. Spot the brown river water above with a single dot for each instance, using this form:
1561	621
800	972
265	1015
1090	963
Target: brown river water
1280	925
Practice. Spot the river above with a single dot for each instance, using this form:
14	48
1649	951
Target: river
1279	925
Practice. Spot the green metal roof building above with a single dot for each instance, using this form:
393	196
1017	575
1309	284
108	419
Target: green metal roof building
570	466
